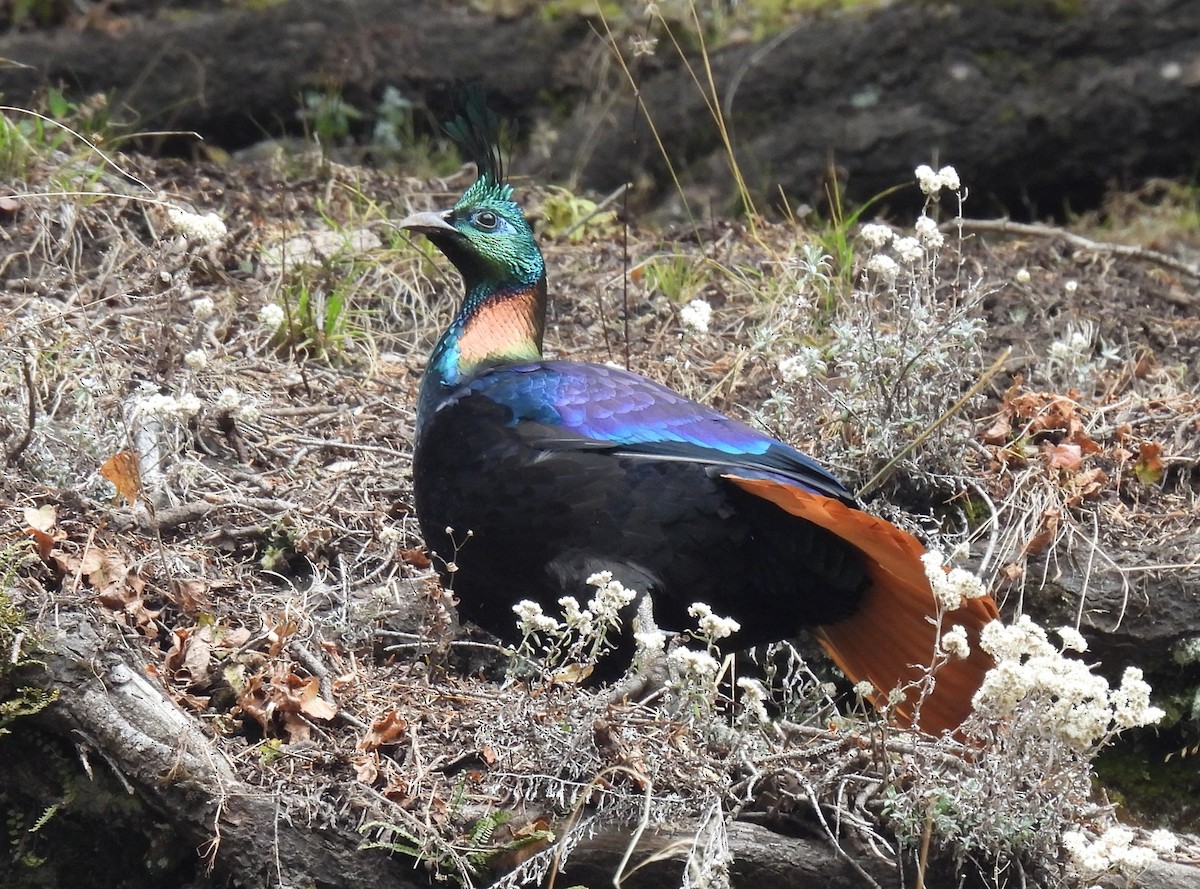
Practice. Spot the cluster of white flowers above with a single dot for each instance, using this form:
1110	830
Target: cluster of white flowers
884	266
954	642
690	668
754	700
932	183
650	642
712	626
950	588
580	636
805	361
1073	358
271	316
195	360
203	308
928	232
1114	850
696	315
1079	707
909	250
1075	345
229	401
876	234
179	408
610	597
207	228
531	619
391	535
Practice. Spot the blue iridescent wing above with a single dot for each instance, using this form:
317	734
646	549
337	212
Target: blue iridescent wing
562	405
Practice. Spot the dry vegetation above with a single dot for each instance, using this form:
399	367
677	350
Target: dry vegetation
228	490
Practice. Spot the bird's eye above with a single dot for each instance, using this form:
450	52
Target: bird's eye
486	220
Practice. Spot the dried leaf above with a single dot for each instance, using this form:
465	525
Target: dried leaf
1046	534
1149	467
999	432
573	674
1087	485
122	470
1063	456
366	768
390	728
418	558
41	519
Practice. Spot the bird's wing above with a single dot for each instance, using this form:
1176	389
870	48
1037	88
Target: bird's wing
568	405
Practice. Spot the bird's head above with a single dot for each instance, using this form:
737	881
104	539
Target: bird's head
487	238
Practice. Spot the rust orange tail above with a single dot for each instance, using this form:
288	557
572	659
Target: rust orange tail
893	635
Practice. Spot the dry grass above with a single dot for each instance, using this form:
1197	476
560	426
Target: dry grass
272	550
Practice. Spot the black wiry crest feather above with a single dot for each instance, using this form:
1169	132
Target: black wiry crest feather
479	132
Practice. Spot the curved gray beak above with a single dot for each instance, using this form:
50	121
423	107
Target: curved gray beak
428	222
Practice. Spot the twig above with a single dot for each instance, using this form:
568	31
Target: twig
30	414
1006	226
621	189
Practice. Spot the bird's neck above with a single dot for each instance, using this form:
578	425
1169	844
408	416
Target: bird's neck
494	327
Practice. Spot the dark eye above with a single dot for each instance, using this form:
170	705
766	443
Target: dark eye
486	219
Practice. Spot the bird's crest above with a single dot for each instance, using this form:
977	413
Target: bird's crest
481	135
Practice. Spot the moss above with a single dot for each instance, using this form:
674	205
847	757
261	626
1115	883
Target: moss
1154	778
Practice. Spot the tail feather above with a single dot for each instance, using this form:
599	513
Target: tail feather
892	637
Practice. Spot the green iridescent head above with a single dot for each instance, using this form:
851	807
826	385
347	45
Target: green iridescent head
485	234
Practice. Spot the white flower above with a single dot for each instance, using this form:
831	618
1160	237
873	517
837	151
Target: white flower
203	308
207	229
650	641
530	618
578	619
1004	686
949	177
391	535
696	315
883	266
875	234
197	360
932	183
950	588
929	181
1072	639
1071	286
1162	841
692	666
864	689
271	316
753	699
929	233
713	627
1131	702
157	403
954	642
909	249
229	400
1022	276
807	361
187	405
611	596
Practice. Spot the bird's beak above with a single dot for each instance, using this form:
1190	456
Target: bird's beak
429	223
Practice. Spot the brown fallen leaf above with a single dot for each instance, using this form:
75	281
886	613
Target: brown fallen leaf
390	728
1149	467
122	470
